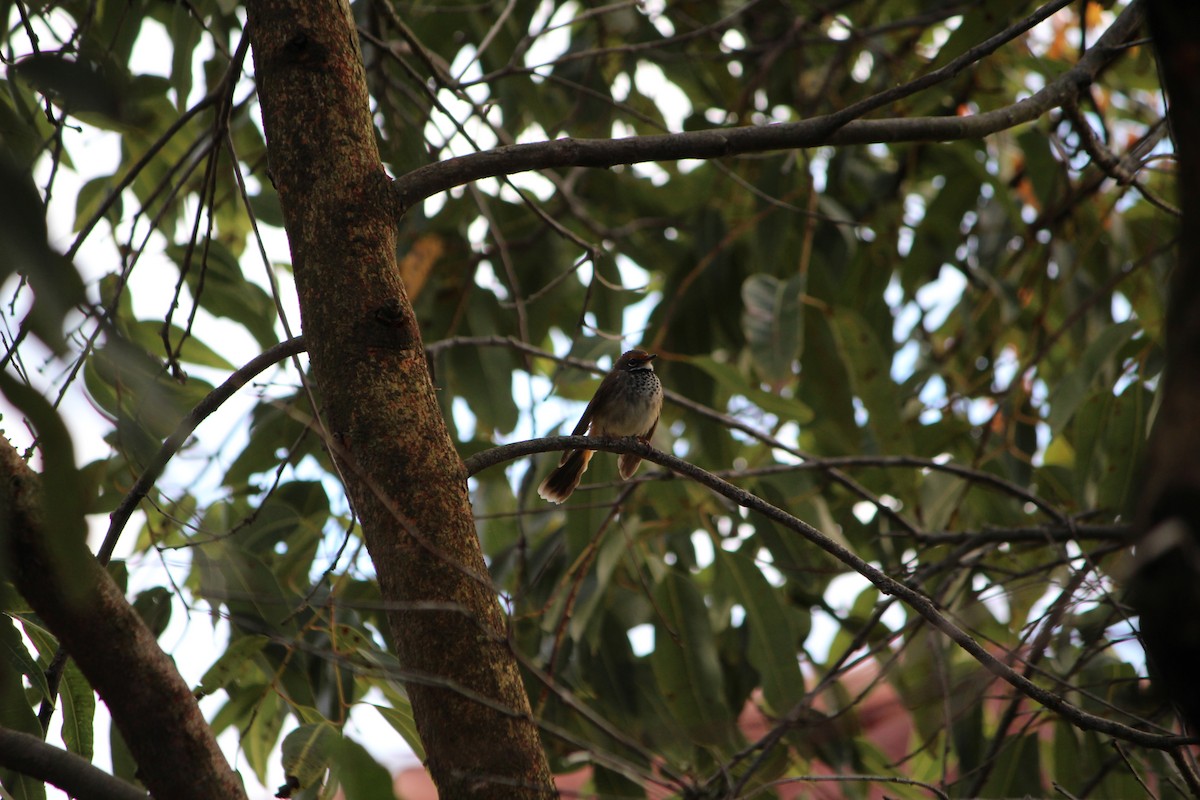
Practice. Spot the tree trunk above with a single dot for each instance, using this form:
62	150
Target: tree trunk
1167	584
382	421
177	756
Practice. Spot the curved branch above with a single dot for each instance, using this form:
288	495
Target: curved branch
76	776
170	447
886	584
839	128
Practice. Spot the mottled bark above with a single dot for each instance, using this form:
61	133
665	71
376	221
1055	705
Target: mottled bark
75	775
177	756
1167	584
384	425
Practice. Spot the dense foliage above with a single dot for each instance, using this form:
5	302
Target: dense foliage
941	354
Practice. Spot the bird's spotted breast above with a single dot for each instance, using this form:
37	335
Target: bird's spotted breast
640	408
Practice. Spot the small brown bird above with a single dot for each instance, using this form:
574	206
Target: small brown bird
626	404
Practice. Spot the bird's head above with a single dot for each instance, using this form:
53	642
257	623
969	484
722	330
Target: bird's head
636	359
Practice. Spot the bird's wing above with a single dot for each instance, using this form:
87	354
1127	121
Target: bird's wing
585	421
581	428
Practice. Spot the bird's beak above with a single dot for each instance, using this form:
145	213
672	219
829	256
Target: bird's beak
651	356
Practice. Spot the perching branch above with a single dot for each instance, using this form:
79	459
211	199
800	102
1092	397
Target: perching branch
831	466
912	597
839	128
76	776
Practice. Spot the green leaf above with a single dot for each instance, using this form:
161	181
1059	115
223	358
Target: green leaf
1067	395
360	776
1018	771
246	583
399	716
185	34
773	323
79	711
938	233
56	284
238	712
148	334
133	386
124	765
1124	441
1071	757
307	751
594	591
15	710
967	732
864	606
92	195
611	784
867	364
19	658
78	86
276	424
773	641
19	786
787	409
43	640
476	374
229	665
62	493
258	742
1044	170
686	667
225	291
941	494
154	607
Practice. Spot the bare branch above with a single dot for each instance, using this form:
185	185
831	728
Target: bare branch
1033	535
839	128
76	776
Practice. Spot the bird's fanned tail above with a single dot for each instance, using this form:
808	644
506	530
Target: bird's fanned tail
559	484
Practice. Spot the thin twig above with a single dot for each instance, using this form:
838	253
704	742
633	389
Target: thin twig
929	787
170	447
